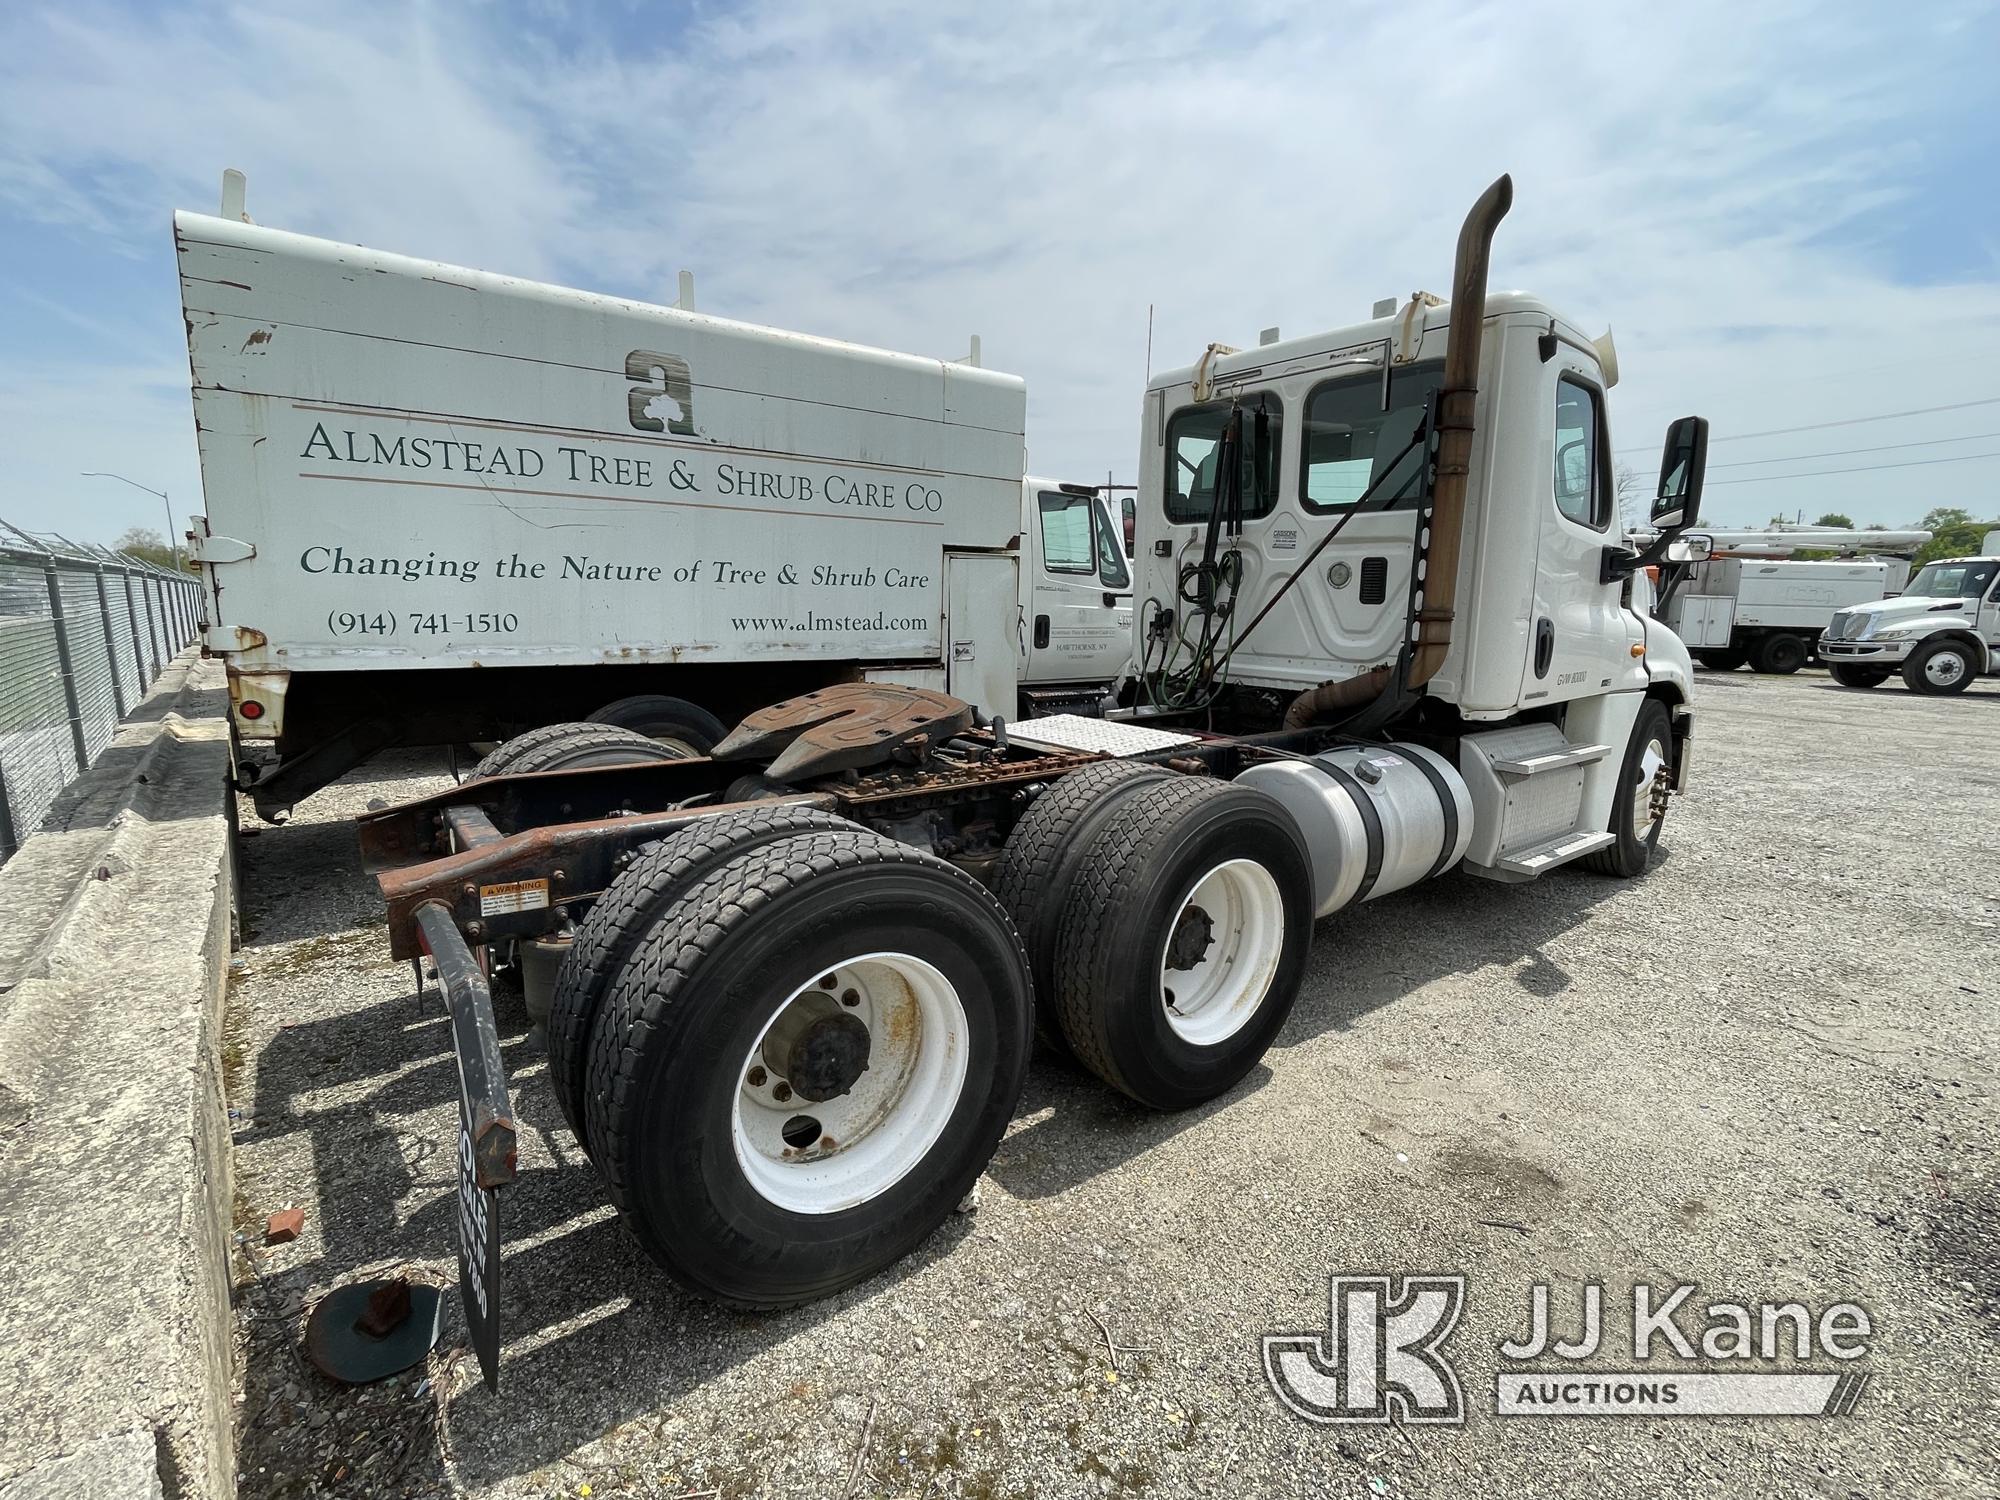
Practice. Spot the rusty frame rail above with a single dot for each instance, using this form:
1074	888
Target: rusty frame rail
521	884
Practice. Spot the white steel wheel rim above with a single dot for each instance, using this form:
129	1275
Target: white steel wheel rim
1651	759
1215	997
871	1137
1944	668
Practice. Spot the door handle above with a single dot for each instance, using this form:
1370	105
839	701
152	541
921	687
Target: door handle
1041	631
1545	645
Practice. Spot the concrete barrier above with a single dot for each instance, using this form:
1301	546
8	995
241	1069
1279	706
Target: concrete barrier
115	1328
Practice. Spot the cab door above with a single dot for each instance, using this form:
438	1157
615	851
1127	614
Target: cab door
1579	635
1079	624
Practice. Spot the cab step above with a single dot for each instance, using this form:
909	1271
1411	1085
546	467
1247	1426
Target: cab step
1555	760
1557	851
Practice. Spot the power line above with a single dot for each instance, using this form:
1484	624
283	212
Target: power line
1887	416
1908	463
1970	437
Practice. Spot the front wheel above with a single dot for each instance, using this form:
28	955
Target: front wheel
1635	825
806	1064
1940	669
1858	677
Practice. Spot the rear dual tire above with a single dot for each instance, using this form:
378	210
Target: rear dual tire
1039	863
761	1202
1183	940
571	747
674	722
644	892
1779	655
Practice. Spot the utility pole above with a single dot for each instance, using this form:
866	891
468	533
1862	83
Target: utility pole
173	541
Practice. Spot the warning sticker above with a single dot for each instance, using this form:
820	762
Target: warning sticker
1284	539
512	896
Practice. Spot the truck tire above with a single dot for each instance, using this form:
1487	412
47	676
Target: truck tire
1632	823
1720	661
1849	675
566	747
1039	862
1184	940
1939	669
1780	655
672	721
626	912
760	1199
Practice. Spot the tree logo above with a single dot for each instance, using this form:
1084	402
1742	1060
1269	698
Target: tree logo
662	400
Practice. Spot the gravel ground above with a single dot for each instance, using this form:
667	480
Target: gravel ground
1767	1068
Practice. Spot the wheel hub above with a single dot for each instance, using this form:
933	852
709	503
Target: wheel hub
818	1048
1193	935
828	1059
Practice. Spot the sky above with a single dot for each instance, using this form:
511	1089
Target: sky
1785	213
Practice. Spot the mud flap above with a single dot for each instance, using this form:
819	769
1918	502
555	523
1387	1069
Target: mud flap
486	1134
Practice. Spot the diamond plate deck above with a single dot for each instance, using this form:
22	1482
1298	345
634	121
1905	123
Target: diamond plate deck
1095	736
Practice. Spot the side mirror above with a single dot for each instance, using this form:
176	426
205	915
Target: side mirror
1683	464
1699	547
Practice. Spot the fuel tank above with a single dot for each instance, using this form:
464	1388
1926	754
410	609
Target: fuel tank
1376	818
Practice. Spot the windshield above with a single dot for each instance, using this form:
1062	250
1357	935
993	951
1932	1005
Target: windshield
1951	580
1112	571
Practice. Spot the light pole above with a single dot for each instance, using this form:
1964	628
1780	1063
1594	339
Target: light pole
172	545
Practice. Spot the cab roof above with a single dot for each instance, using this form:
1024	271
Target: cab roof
1246	363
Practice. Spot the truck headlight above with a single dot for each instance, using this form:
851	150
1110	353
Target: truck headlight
1897	632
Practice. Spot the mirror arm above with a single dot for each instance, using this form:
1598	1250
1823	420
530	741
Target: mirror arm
1616	564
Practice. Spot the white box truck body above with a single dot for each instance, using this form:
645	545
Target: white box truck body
1771	610
448	505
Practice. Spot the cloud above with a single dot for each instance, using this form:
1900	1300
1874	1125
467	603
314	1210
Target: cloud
1720	184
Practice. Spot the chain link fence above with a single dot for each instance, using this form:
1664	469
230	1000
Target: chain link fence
84	632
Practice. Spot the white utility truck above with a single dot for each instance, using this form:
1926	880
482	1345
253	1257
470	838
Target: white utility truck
1751	601
1940	633
1385	630
444	505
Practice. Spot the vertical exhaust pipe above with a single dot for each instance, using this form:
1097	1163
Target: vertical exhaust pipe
1456	402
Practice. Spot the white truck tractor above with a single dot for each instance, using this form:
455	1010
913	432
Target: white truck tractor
1752	601
1384	632
438	511
1940	633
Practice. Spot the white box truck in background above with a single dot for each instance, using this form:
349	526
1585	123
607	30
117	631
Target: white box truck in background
445	505
1750	601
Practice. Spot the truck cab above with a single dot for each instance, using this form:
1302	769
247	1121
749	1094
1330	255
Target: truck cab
1940	633
1076	597
1335	415
1318	562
